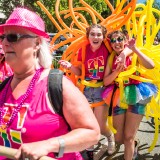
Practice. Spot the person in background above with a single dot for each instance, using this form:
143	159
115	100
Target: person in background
5	70
156	42
27	119
97	53
137	94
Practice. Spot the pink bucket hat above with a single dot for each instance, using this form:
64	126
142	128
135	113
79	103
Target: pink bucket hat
1	50
25	18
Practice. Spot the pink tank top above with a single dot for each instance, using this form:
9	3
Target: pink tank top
35	121
5	71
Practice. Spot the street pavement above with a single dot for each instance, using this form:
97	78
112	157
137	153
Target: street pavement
145	134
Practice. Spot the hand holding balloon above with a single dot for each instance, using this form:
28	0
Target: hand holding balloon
131	44
121	59
119	68
65	64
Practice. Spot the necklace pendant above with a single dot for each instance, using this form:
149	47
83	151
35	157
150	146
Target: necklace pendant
3	126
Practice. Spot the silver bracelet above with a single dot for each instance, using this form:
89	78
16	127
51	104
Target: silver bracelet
61	148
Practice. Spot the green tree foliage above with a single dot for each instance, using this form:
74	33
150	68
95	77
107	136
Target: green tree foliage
7	7
156	5
99	5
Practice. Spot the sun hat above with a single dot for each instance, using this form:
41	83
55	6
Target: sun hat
1	50
27	19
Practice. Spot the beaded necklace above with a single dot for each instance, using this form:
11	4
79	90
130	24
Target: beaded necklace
15	111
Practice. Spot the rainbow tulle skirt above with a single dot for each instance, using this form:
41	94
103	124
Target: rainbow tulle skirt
135	93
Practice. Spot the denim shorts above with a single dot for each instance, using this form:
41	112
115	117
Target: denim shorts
93	95
136	109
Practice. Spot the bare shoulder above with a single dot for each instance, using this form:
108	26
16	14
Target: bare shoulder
76	106
70	90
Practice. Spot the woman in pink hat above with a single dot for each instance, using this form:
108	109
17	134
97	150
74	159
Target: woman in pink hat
27	119
5	70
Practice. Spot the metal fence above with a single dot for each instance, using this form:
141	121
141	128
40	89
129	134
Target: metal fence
55	61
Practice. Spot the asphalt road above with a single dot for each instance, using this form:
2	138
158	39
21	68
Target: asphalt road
145	134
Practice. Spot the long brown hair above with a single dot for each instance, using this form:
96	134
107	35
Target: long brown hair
123	33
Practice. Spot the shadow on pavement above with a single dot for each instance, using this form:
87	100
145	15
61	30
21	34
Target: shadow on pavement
146	133
151	124
118	155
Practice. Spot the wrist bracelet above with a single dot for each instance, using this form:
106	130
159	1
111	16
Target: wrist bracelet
61	148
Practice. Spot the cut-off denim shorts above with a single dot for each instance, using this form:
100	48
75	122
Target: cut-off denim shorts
93	95
136	109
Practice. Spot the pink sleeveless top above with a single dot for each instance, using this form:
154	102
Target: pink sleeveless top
35	121
5	71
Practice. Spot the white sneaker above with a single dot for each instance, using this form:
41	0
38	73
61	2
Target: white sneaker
111	144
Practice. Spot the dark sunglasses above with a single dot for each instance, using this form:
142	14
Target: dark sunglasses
15	37
114	40
1	54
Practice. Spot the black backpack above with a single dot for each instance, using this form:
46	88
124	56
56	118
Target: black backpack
54	89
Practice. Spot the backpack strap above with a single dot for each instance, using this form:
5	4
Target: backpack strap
4	83
55	90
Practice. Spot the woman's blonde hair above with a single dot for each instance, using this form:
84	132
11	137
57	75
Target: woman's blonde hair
44	57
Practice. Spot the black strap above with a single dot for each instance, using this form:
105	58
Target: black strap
111	102
4	83
55	90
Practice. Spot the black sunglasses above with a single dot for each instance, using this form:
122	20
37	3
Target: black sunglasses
15	37
114	40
